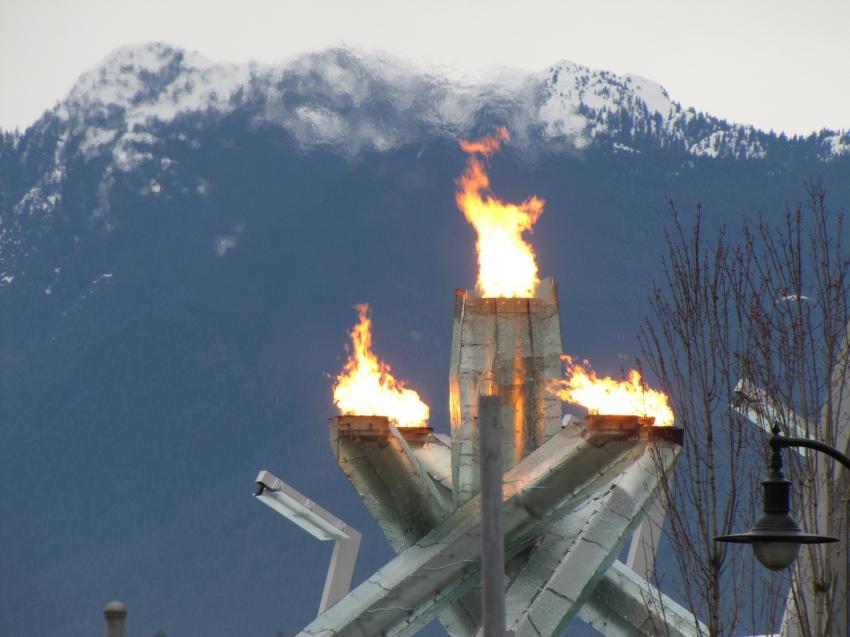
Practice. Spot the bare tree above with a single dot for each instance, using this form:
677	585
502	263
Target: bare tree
690	343
799	298
772	309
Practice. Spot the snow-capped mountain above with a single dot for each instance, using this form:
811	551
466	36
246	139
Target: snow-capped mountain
119	113
356	102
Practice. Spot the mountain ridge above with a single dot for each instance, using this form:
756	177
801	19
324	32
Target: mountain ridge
118	113
314	94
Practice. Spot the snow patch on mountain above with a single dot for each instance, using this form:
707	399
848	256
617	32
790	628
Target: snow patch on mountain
837	144
708	146
224	243
154	81
45	195
94	139
654	95
116	106
579	103
354	102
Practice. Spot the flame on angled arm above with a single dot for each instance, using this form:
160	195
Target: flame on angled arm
506	263
608	396
366	387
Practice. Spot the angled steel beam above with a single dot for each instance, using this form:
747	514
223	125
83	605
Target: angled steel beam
403	477
645	540
617	602
574	556
556	478
321	524
754	404
623	604
395	487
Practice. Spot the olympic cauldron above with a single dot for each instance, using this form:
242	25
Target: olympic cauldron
573	495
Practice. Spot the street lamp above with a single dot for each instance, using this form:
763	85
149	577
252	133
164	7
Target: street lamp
776	538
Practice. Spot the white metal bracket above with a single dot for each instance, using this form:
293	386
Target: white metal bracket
321	524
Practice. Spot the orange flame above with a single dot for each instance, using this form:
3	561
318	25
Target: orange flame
506	265
611	397
367	388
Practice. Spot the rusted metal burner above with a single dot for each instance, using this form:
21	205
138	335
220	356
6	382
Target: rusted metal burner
375	428
600	428
416	434
365	428
629	422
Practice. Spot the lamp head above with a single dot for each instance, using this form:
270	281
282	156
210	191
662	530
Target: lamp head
776	537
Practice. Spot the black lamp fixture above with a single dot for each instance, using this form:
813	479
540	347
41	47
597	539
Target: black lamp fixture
776	537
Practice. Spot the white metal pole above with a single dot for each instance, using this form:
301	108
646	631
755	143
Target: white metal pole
492	532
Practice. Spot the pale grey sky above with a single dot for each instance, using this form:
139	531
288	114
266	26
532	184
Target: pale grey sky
777	64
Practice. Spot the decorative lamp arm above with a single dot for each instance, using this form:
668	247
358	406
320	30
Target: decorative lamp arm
778	441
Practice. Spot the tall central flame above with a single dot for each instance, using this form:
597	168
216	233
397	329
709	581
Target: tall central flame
608	396
506	264
366	387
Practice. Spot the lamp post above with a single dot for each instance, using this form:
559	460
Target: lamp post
776	537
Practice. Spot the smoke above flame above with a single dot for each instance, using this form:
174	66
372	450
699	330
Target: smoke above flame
365	387
611	397
506	263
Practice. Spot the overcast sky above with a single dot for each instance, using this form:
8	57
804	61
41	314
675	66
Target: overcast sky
778	64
